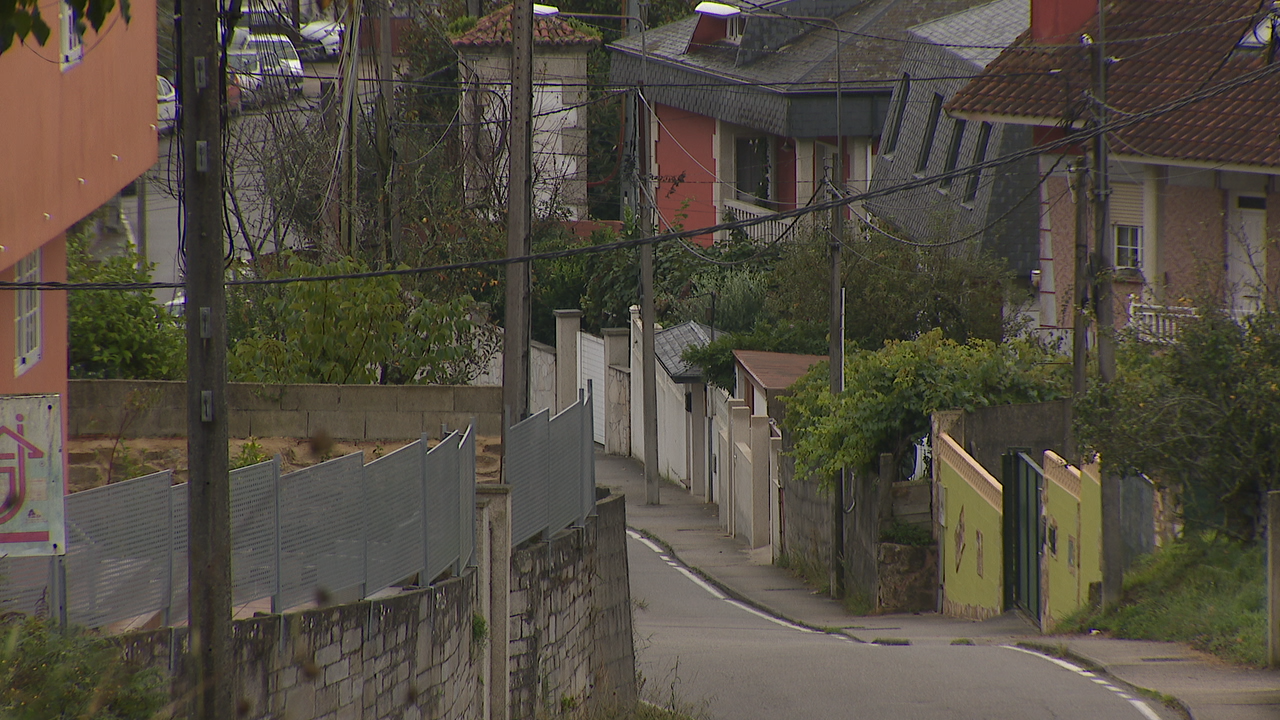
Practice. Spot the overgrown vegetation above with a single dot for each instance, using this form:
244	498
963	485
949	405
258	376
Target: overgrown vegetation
891	393
114	333
52	674
1204	589
1201	416
349	331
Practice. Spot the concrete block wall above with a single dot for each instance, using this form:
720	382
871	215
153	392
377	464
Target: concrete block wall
157	408
570	624
806	512
409	656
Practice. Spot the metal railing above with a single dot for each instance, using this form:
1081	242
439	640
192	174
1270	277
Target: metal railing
1159	323
767	231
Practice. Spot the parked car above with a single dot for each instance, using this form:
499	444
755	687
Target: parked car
277	57
166	105
321	40
247	70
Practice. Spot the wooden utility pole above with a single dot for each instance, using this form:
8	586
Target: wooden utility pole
208	486
1080	294
351	111
1104	252
515	337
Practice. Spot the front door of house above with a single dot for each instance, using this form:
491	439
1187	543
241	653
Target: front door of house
1246	252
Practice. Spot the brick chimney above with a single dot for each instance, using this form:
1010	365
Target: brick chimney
1060	21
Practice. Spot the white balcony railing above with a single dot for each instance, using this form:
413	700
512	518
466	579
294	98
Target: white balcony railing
1158	323
767	231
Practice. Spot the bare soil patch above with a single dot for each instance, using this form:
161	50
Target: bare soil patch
97	461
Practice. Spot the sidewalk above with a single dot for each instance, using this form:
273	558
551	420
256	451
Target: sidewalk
1205	687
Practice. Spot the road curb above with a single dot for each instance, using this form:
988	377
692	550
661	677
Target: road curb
731	592
1063	652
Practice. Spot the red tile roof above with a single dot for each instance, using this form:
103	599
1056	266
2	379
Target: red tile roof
1164	49
494	30
774	370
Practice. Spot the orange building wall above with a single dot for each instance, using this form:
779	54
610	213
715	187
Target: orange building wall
685	145
74	138
1192	242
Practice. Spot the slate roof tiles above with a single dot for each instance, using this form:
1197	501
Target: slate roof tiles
1164	50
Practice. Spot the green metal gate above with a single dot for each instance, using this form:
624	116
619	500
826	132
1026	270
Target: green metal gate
1023	532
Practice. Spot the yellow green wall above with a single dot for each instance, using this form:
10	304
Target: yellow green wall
966	591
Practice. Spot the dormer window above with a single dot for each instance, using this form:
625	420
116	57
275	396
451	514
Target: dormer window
1262	33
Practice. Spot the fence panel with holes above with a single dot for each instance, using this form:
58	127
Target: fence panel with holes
340	528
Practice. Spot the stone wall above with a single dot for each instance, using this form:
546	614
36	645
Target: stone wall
571	643
410	656
565	636
806	514
157	408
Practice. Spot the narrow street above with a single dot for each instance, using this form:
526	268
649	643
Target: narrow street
714	657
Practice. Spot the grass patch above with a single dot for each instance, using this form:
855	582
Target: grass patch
1205	591
962	641
814	574
891	641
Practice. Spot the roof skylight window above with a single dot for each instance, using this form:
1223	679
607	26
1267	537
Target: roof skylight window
1262	33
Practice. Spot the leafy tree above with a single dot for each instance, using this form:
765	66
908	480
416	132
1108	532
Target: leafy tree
118	334
1201	416
350	331
891	393
894	292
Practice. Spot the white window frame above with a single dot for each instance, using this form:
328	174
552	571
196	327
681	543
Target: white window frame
71	44
734	27
27	316
1132	245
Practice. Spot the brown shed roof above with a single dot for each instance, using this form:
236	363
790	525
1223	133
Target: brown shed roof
1163	50
494	30
774	370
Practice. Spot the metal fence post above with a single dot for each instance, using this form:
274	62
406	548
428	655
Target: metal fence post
168	580
1273	578
279	552
423	580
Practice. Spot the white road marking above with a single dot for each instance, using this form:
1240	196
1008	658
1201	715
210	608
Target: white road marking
699	582
1141	705
647	542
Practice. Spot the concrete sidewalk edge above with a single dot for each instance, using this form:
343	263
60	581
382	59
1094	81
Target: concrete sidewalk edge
1062	652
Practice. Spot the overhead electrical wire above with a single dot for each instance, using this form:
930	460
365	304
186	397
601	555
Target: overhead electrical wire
1074	139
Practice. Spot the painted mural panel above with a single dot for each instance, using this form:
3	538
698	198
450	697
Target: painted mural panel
31	484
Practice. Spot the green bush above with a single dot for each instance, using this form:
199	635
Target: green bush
50	674
891	393
119	334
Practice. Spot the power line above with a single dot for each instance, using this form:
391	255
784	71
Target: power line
923	181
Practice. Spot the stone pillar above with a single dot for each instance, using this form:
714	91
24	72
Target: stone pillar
760	484
699	451
775	494
494	503
617	390
568	323
738	488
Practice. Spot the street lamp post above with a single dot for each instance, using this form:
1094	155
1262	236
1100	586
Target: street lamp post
835	328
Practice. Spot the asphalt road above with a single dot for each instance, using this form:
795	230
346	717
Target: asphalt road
718	659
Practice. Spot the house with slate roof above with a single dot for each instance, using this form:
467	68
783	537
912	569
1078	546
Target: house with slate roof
998	211
742	110
559	116
1195	153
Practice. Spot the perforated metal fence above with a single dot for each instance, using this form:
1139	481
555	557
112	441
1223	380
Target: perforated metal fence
334	527
337	527
551	470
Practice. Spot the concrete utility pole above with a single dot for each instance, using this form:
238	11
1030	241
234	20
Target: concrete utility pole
1104	251
386	154
351	109
835	331
1080	327
515	336
208	487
